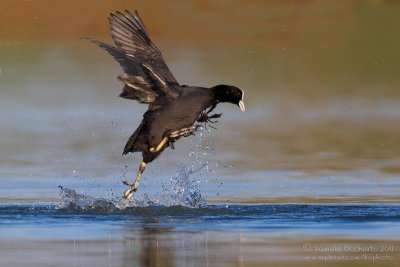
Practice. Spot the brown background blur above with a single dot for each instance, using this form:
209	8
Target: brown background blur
316	48
321	80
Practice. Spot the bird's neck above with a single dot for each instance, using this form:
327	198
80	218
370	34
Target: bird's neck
219	93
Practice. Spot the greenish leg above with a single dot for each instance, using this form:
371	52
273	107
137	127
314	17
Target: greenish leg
128	194
160	146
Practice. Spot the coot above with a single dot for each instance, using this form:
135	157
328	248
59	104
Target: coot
173	108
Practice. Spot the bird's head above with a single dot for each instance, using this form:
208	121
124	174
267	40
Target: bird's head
229	93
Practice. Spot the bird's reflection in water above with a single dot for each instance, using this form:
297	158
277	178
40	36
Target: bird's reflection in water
154	250
155	245
148	245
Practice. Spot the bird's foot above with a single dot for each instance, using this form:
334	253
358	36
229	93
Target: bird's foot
183	132
128	193
215	116
171	143
127	183
207	119
202	117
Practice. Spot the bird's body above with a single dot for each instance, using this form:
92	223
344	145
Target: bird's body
179	114
173	108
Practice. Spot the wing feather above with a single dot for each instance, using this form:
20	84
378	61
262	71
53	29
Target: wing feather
130	34
147	77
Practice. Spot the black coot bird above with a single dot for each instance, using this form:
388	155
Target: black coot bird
173	108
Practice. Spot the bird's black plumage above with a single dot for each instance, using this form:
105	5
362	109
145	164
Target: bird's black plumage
173	108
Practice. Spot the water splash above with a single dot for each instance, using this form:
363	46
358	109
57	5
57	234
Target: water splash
72	201
182	191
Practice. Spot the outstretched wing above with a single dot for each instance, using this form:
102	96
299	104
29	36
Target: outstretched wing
130	34
147	77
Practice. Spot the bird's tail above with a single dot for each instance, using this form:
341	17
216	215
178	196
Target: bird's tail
131	144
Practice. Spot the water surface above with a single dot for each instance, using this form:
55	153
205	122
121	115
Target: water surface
180	236
309	174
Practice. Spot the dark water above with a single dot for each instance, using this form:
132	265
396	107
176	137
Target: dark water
164	236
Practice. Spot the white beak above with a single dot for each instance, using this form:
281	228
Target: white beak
241	105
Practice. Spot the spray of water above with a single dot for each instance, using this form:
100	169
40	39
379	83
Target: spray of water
182	190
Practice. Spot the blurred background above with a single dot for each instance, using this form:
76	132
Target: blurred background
321	82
